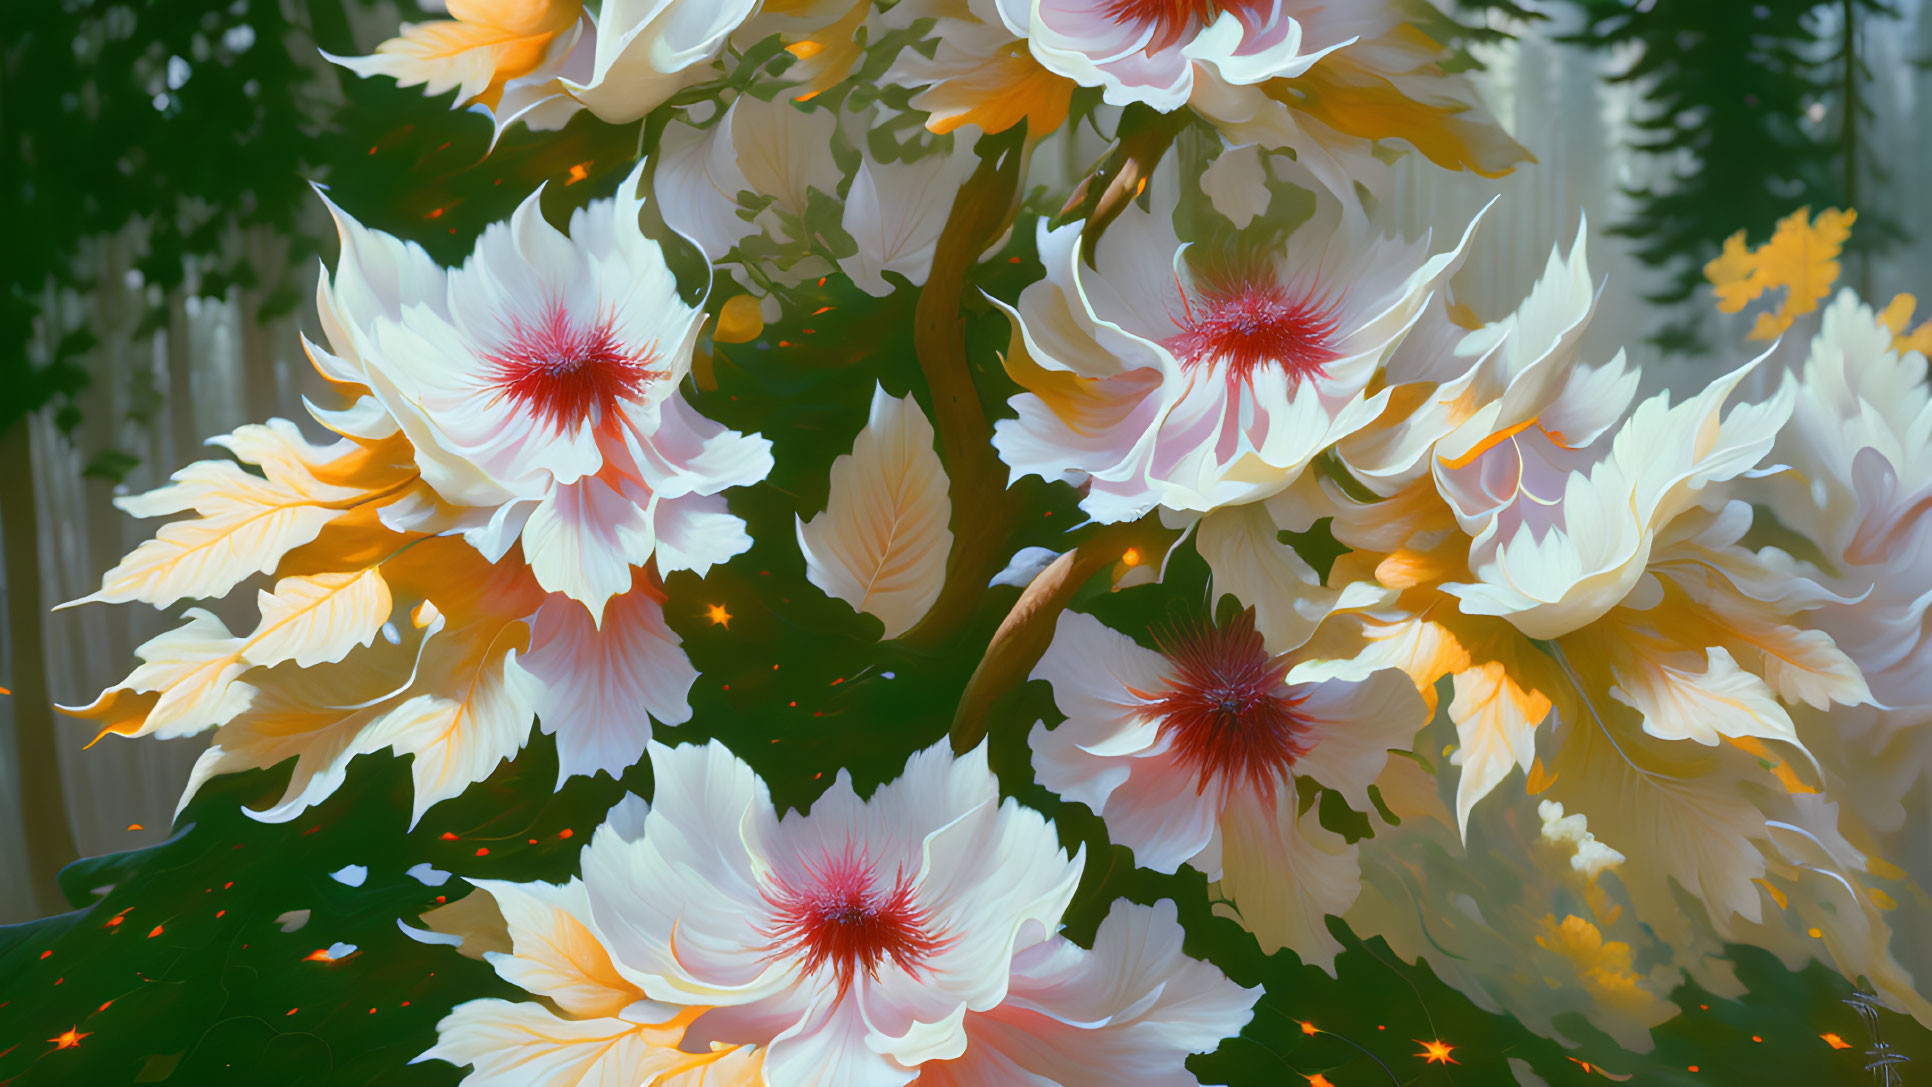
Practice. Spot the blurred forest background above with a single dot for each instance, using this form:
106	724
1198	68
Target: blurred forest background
162	245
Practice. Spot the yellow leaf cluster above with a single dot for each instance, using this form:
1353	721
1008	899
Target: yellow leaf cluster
1898	317
1801	257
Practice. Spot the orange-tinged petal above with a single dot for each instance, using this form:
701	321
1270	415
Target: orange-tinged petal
1496	720
828	55
1346	95
554	952
1000	91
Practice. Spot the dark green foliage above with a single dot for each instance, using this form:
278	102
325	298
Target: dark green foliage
1727	87
194	119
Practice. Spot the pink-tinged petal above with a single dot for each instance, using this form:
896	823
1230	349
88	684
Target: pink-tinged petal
686	453
600	687
682	907
1355	724
829	1048
1165	813
1102	676
1129	1011
583	539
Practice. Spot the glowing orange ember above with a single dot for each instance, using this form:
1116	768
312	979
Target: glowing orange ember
1835	1042
68	1038
718	615
1436	1053
1307	1027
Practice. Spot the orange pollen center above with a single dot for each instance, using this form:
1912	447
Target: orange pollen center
1227	710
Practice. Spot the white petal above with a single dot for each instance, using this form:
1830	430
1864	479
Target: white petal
600	686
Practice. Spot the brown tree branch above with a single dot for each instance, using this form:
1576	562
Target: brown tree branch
1026	631
983	515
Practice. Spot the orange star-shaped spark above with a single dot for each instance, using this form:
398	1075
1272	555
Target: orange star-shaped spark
68	1038
1436	1052
718	615
1319	1080
1308	1028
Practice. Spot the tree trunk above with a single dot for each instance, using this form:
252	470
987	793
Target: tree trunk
43	806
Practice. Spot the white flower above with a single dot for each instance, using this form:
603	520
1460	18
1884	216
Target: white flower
1191	756
538	386
1565	534
648	50
1184	380
1153	51
911	936
1860	438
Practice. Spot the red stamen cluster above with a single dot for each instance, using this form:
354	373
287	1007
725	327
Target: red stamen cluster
1171	20
1227	708
1250	325
568	373
842	917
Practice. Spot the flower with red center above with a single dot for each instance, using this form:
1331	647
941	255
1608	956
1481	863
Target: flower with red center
538	385
845	917
1156	385
1192	753
570	373
908	937
1226	710
1157	52
1247	325
1168	21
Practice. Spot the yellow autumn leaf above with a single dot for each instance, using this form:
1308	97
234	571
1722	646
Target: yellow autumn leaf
1898	317
1801	258
458	738
318	619
554	952
247	522
192	671
486	44
313	715
528	1043
994	87
1496	719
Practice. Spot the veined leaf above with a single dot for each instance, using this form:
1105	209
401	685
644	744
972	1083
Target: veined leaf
882	542
318	619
